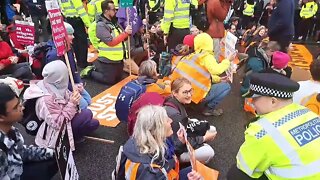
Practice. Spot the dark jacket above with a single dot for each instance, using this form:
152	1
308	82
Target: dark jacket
34	10
52	56
287	70
281	22
178	114
131	152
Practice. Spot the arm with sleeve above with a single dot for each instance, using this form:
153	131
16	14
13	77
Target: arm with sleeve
104	35
214	68
252	157
78	5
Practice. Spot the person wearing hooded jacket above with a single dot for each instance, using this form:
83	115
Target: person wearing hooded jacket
213	87
55	105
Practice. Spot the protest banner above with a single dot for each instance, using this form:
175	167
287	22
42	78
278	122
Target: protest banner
102	105
300	56
25	32
59	32
64	157
206	172
230	48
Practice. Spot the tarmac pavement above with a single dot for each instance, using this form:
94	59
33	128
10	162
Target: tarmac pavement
96	160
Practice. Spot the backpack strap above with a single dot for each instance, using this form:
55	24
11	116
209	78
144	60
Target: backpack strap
131	169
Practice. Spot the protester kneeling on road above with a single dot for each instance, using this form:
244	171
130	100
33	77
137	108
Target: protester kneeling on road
17	160
199	132
202	70
151	149
55	104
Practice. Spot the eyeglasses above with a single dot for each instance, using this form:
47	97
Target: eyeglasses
187	92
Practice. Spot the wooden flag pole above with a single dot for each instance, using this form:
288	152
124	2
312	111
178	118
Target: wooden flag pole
99	139
147	23
129	54
69	70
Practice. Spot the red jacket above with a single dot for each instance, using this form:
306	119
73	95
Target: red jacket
5	53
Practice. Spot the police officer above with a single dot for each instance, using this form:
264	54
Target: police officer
77	16
308	10
176	21
94	9
283	142
248	13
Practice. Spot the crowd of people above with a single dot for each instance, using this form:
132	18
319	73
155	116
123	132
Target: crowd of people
180	63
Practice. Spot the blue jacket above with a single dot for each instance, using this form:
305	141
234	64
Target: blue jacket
281	22
52	56
34	10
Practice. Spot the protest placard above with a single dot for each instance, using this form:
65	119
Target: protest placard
230	48
25	32
64	157
59	32
126	3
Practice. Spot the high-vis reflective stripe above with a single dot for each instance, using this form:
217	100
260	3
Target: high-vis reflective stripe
79	8
249	10
283	120
243	165
192	80
131	170
182	9
297	171
168	11
200	78
182	17
109	49
280	140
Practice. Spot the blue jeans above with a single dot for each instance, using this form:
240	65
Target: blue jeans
183	174
85	100
216	94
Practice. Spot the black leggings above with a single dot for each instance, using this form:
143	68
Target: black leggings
39	170
236	174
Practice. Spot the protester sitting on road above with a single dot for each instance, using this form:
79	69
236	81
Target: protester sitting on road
51	55
259	60
178	53
189	41
55	104
248	34
280	62
151	149
194	30
311	86
202	69
203	132
282	141
19	161
18	48
9	65
156	41
139	47
148	74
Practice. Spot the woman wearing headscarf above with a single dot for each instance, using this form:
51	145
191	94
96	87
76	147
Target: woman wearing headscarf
56	104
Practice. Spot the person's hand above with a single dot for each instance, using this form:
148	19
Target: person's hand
1	66
147	36
75	97
145	46
80	87
165	37
128	30
209	136
13	59
232	56
224	79
193	175
181	137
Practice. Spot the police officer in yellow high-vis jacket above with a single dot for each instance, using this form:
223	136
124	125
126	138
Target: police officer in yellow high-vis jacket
94	9
308	11
111	45
283	142
77	17
176	21
248	13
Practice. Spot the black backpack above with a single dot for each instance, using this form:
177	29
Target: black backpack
30	120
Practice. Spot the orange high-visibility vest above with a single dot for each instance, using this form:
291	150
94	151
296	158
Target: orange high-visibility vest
312	103
131	170
248	106
174	61
200	78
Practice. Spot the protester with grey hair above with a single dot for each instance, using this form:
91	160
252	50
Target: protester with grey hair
151	150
